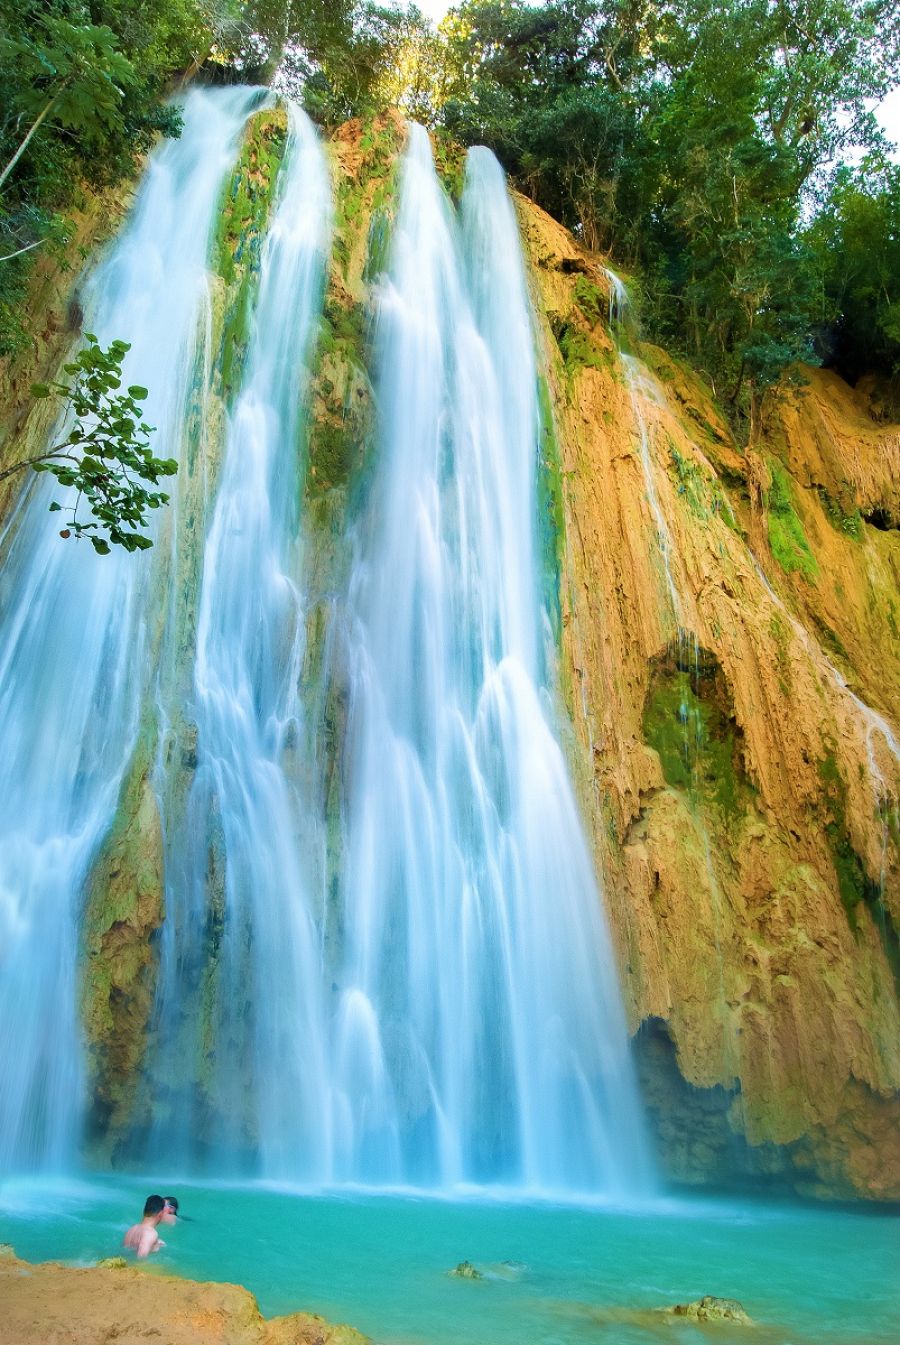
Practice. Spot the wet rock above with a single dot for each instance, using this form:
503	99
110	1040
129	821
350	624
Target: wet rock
710	1309
466	1271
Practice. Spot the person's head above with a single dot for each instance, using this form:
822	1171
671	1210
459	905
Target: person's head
170	1213
154	1208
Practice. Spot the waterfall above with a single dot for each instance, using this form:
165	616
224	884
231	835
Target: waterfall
263	1015
478	1033
74	646
446	1013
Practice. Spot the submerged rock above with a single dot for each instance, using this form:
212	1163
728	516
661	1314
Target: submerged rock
466	1271
710	1309
505	1270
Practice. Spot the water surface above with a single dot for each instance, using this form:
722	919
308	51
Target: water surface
573	1275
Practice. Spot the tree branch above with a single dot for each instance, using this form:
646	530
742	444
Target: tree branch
9	256
44	112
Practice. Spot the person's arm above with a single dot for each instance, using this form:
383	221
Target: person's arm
149	1242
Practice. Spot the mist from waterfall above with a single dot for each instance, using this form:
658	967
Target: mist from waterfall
74	647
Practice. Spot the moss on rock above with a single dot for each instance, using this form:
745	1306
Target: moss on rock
124	908
243	219
689	722
787	539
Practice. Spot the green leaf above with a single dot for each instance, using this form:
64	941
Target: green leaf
137	392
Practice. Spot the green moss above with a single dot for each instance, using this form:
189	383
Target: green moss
787	539
830	638
578	350
843	515
592	302
688	723
700	490
339	433
378	244
853	883
369	192
124	906
242	223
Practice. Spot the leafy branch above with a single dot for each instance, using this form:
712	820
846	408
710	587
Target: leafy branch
105	458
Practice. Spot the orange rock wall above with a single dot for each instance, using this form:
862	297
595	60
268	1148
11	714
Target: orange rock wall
757	977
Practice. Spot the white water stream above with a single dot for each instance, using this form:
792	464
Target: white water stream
73	649
262	1057
479	1033
449	1016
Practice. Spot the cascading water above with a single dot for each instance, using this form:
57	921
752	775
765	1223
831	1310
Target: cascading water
451	1015
74	646
265	1019
478	1036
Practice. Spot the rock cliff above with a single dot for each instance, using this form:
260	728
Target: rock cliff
730	650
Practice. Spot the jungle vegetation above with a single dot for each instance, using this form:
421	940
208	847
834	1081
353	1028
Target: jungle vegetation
725	153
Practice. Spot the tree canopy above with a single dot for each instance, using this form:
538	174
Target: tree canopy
724	151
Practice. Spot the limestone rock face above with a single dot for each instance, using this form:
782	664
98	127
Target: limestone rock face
730	662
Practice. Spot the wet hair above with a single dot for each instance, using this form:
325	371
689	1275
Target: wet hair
172	1202
153	1205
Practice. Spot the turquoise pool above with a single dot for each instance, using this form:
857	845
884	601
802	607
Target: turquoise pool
557	1274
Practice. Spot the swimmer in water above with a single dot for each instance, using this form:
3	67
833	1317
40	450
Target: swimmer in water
143	1238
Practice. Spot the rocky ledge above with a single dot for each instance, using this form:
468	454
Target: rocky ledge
65	1305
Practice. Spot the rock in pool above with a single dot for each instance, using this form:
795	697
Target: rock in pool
710	1309
466	1271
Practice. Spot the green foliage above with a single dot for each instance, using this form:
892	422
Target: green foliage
690	138
350	58
82	98
855	239
786	536
105	457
